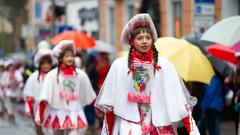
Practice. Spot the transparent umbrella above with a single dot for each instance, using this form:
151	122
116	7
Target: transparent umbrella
225	32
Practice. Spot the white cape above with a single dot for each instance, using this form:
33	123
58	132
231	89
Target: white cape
33	86
51	89
168	102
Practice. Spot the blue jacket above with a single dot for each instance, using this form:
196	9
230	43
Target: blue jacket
213	98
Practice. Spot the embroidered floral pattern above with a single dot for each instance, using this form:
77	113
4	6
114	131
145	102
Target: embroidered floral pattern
141	95
141	79
138	97
68	93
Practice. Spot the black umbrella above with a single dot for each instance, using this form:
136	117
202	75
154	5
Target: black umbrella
222	67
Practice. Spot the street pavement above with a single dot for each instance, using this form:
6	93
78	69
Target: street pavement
24	126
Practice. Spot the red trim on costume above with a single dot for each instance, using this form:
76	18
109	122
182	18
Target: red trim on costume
41	107
187	123
80	123
30	101
67	124
145	57
56	124
166	130
110	119
67	70
102	72
47	122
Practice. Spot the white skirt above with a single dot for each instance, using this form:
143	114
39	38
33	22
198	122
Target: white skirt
123	127
62	119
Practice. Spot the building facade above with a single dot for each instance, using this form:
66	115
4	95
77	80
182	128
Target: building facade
176	17
105	19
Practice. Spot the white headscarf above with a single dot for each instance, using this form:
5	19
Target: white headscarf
139	20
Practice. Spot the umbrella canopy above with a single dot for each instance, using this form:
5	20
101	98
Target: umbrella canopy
222	67
223	52
122	53
189	61
225	32
81	39
103	47
195	39
236	47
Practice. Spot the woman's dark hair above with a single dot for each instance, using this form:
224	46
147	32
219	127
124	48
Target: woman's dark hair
133	34
138	30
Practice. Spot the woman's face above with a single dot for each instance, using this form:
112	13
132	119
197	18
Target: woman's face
68	58
11	68
1	69
143	42
45	66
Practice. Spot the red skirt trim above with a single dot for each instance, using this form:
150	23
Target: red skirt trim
67	124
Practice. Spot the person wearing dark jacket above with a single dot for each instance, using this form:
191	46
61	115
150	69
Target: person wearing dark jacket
211	107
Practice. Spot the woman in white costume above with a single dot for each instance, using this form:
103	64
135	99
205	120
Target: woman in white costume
66	90
12	83
143	94
43	60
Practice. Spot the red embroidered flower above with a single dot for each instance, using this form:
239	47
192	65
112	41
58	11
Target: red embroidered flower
143	86
146	128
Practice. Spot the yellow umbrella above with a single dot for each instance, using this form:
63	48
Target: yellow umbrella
122	53
189	61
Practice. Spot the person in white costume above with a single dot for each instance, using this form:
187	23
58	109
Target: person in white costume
66	90
142	93
43	60
1	89
12	82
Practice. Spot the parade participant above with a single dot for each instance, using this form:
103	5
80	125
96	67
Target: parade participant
43	60
12	84
1	89
212	106
97	67
142	93
66	90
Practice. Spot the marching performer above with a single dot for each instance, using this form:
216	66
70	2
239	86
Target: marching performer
43	60
66	90
142	93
